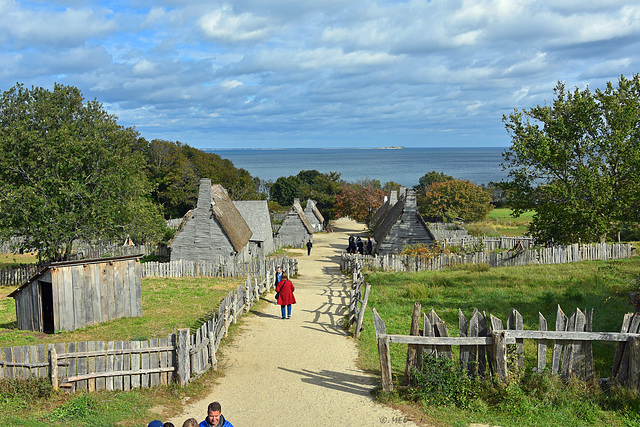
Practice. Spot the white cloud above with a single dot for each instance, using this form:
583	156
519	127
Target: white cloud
226	25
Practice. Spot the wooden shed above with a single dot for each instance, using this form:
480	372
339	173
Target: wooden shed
296	230
69	295
256	214
402	225
212	229
314	216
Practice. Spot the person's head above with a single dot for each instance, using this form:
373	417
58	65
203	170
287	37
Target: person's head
284	276
155	423
168	424
278	269
214	411
191	422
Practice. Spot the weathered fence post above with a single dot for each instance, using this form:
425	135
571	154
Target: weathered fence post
500	354
212	351
634	363
412	349
226	320
183	368
383	352
53	368
363	307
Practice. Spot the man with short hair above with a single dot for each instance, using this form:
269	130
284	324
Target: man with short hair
215	417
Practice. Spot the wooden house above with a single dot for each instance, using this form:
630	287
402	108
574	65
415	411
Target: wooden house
212	229
69	295
295	230
256	214
314	216
402	225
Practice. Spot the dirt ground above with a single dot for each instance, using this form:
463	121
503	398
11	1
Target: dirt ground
299	372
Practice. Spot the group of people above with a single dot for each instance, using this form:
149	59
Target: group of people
356	244
214	419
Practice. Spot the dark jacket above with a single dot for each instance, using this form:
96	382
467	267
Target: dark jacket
285	292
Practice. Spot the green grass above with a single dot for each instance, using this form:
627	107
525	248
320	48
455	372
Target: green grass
601	286
9	259
499	222
167	304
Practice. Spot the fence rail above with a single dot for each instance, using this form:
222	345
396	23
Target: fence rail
483	345
358	299
119	365
553	255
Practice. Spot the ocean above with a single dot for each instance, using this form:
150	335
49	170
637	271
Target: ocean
404	166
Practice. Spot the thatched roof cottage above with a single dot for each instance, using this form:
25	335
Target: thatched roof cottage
213	228
403	225
296	230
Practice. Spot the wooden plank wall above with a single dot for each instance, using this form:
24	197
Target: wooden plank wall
224	267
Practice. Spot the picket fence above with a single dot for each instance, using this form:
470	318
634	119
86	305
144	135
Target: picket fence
358	299
485	345
552	255
223	267
118	365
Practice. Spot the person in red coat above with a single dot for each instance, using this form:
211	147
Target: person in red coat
284	290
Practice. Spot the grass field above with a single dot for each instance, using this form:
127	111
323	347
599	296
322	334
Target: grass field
499	222
167	304
600	285
8	260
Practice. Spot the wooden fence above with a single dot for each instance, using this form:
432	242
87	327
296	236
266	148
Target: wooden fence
223	267
358	299
553	255
118	365
485	344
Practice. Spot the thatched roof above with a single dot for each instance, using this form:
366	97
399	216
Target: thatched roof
229	217
312	209
296	209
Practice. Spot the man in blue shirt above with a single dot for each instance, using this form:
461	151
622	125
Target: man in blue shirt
215	417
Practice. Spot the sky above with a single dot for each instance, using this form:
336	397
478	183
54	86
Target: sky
322	73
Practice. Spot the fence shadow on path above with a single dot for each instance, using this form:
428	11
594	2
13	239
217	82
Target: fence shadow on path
349	383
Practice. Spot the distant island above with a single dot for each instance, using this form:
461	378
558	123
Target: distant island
393	147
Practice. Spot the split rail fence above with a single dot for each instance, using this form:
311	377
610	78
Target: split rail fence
118	365
553	255
485	345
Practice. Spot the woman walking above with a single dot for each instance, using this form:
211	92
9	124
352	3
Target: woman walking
284	292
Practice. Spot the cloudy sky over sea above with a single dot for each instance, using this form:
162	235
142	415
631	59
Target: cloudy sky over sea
327	73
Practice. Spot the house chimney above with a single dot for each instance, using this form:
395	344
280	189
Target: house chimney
204	193
410	200
296	201
393	198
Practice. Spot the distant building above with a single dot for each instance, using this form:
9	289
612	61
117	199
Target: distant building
295	230
314	216
402	225
213	228
65	296
256	214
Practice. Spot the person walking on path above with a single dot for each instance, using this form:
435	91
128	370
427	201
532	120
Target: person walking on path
309	245
284	291
215	417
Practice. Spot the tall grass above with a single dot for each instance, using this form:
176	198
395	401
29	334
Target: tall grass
601	285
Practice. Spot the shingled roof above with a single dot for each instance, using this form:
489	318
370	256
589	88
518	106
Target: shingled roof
297	208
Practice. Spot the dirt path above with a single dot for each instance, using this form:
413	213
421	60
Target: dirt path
299	372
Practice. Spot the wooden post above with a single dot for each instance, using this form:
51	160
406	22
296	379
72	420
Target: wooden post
183	368
53	368
542	344
212	351
226	320
500	354
412	349
363	307
385	363
634	363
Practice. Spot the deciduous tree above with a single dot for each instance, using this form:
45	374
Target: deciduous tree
446	200
67	171
576	162
359	202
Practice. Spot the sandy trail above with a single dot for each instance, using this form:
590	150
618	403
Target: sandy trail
299	372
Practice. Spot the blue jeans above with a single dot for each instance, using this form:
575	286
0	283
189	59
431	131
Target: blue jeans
288	307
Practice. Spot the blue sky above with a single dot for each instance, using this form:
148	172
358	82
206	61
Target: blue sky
322	73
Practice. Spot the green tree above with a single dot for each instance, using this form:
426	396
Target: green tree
446	200
286	189
68	171
429	178
576	162
359	202
323	188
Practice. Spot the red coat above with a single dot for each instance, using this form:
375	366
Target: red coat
285	289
